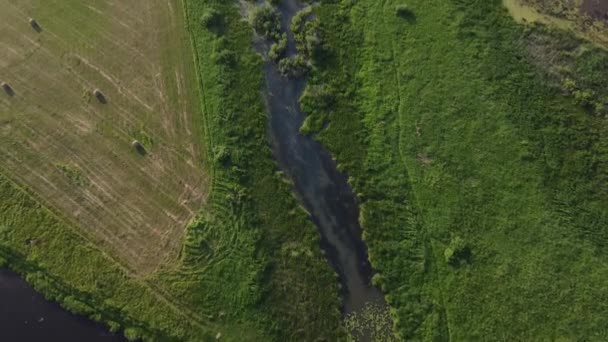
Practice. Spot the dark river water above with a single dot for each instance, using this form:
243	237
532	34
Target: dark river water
26	316
323	190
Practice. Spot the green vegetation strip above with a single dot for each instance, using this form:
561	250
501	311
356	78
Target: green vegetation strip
481	172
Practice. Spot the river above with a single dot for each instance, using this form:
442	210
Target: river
321	188
26	316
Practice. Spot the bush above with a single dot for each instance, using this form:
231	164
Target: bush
403	11
294	66
277	49
317	97
114	326
457	252
211	19
306	32
133	334
225	57
221	155
266	22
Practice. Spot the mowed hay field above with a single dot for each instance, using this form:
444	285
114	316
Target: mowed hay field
73	151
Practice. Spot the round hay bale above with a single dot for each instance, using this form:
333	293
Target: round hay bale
99	95
138	147
34	24
7	88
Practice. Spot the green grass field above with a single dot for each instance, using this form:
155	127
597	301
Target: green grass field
482	178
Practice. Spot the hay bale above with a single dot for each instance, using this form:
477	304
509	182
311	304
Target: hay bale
138	147
34	24
99	95
7	88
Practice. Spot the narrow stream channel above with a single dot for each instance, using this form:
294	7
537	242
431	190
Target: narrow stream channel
26	316
322	189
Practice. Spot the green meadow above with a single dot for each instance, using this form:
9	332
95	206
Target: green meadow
477	150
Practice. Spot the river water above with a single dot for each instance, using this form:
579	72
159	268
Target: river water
26	316
321	188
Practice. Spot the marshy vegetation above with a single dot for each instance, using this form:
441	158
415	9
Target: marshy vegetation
266	22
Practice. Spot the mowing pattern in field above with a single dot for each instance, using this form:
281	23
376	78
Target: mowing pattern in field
73	150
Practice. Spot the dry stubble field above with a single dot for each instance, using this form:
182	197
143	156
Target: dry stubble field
73	152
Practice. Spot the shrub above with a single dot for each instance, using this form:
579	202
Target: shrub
133	334
403	11
317	97
277	49
306	32
266	22
114	326
221	155
457	252
225	57
211	19
294	66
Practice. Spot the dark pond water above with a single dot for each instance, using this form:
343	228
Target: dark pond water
26	316
323	190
